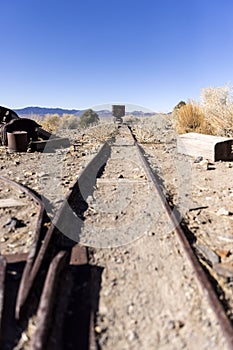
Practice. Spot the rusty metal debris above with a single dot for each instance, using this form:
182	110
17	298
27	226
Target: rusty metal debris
35	139
48	301
2	281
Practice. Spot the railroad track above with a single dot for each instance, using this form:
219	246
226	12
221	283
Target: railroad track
55	294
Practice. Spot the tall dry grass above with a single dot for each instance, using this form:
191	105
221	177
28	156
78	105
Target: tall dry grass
190	118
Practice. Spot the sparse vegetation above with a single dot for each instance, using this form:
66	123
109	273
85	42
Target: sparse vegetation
151	129
217	104
213	116
69	121
190	118
53	122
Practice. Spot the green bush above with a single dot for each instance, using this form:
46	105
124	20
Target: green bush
178	106
89	117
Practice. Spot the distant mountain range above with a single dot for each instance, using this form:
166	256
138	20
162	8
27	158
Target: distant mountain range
42	111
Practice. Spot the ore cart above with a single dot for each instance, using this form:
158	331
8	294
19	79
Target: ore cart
118	111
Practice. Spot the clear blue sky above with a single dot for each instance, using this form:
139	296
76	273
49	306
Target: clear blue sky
81	53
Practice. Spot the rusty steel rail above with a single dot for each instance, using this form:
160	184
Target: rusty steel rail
202	277
2	286
85	181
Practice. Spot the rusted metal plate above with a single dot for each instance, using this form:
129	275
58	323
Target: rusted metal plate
14	258
47	302
78	255
10	328
6	115
2	285
210	147
44	134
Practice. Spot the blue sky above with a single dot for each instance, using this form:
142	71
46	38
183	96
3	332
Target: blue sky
78	54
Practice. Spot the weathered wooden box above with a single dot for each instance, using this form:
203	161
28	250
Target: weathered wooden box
210	147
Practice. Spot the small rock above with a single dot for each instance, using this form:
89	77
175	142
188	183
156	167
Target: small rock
131	335
204	164
223	212
174	324
98	329
42	174
224	269
198	159
223	253
130	309
13	223
151	233
207	254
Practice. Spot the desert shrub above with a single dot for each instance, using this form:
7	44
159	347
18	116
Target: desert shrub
217	104
68	121
153	129
190	118
51	122
89	117
54	122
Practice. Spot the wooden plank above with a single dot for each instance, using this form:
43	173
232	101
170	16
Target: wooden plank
10	202
213	148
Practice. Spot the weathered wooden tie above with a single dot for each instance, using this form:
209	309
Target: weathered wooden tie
213	148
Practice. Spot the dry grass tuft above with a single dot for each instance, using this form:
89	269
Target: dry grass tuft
218	109
190	118
144	135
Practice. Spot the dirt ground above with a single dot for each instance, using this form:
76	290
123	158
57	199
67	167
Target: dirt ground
149	297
